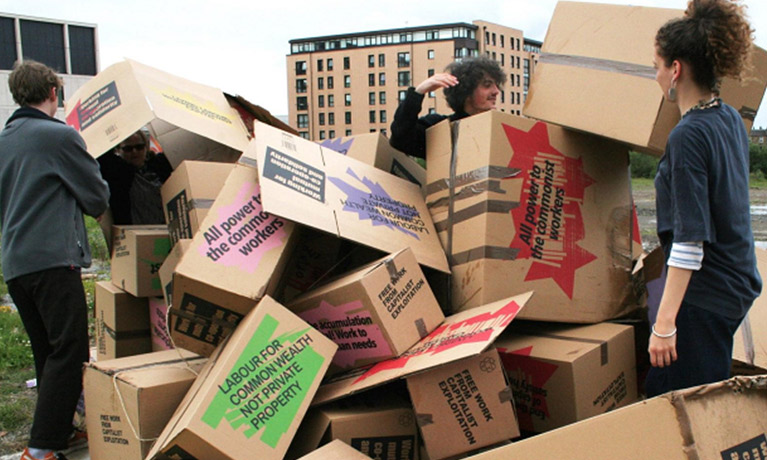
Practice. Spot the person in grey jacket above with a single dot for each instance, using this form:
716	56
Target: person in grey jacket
47	182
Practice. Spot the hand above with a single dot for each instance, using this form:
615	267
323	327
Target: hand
662	350
436	81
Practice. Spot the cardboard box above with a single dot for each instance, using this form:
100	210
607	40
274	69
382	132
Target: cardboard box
595	74
374	313
308	184
336	450
522	205
158	324
463	406
718	421
131	399
191	121
189	193
250	112
253	394
121	322
374	149
168	268
382	426
235	259
750	342
137	254
462	335
561	374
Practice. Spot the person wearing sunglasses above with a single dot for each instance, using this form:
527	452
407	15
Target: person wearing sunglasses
135	174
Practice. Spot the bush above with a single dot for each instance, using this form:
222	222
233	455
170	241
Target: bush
758	159
643	165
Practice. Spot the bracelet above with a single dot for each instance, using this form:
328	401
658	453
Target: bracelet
663	336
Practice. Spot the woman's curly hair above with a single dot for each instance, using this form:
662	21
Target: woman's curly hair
470	73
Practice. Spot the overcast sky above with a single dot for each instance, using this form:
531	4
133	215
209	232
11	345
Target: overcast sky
240	45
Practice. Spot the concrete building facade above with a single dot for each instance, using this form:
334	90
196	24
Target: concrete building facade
71	48
348	84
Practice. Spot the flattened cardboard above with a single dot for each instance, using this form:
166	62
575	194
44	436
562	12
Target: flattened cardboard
191	121
336	450
308	184
374	149
750	342
254	392
138	251
460	336
374	313
463	406
561	374
121	322
235	258
149	387
522	205
723	420
189	193
607	50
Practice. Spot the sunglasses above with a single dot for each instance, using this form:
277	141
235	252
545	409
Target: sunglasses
133	148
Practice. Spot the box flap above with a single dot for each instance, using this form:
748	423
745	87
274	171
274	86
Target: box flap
343	196
336	450
460	336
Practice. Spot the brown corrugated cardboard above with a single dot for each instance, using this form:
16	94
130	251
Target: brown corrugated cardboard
561	374
235	258
719	421
337	450
380	426
522	205
191	121
138	251
595	74
189	193
308	184
460	336
131	399
169	267
374	149
158	312
251	397
374	313
121	322
463	406
750	342
250	112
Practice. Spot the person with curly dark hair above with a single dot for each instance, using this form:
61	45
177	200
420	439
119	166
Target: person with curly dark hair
703	217
471	86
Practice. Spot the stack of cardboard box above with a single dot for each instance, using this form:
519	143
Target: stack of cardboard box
308	296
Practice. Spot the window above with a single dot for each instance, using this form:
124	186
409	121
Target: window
372	98
430	72
371	60
320	83
493	38
304	134
432	34
348	132
347	99
432	94
502	40
301	85
300	67
503	59
332	133
322	135
348	118
382	116
322	119
430	54
330	82
382	97
44	42
383	131
330	63
372	115
381	79
487	38
401	95
503	97
321	101
82	49
518	45
347	64
511	43
403	59
7	43
331	100
403	78
331	118
371	79
301	103
303	120
381	60
319	65
494	56
432	111
347	81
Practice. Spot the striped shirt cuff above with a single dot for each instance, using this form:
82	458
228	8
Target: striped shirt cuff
688	256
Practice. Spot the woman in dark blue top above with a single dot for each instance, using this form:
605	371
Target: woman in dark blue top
702	202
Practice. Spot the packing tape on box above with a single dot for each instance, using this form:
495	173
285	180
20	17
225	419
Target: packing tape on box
127	335
420	326
200	203
748	340
625	68
490	185
483	252
391	269
424	419
247	161
685	426
485	172
483	207
604	350
505	395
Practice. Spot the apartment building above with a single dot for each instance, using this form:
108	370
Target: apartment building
341	85
70	48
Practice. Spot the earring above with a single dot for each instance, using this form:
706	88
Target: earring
672	92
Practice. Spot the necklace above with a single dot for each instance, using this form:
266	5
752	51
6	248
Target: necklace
702	105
